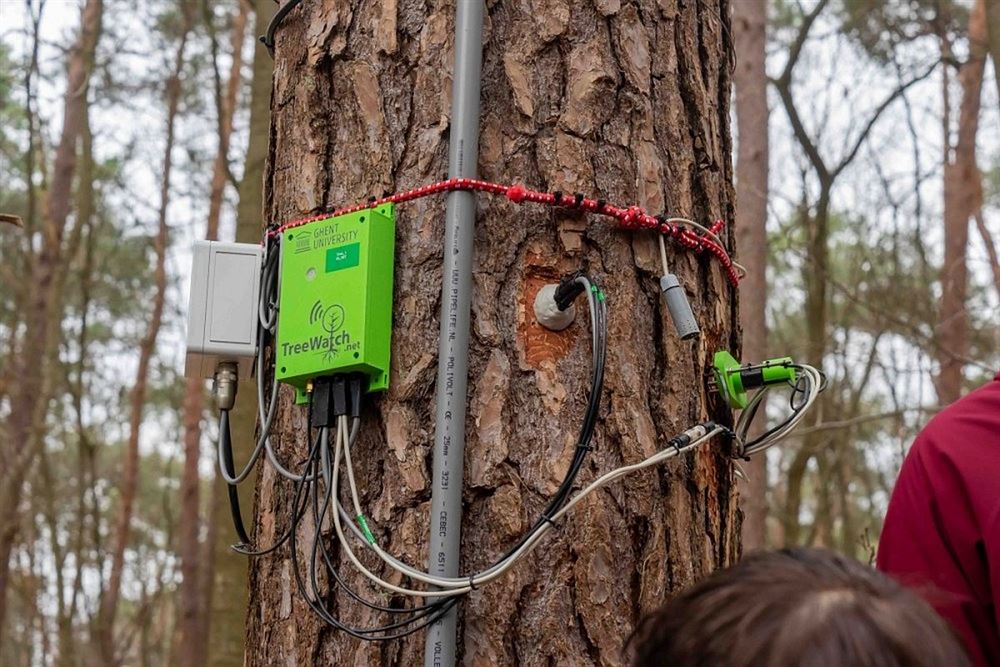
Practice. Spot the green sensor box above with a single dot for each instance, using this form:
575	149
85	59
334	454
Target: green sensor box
335	299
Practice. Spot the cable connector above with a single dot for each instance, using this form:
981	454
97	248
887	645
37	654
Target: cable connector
554	307
329	400
733	380
547	310
569	288
355	389
679	307
224	385
365	530
679	442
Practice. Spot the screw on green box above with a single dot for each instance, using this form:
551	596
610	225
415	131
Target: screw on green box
732	380
335	299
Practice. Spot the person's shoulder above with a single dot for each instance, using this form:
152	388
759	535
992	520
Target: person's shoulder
969	424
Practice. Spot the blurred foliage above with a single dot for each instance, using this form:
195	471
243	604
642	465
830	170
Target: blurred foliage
882	28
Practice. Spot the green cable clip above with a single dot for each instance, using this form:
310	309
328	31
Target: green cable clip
363	523
733	380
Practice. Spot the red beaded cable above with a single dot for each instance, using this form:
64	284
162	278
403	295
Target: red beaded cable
633	217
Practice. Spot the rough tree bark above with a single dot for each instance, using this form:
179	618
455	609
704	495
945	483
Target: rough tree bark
627	101
193	602
962	199
28	403
111	593
750	83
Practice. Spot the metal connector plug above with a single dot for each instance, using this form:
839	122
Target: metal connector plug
679	442
224	385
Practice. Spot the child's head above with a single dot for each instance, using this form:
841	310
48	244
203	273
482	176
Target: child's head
796	608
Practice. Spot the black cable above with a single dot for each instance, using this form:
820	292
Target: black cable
561	496
267	39
226	443
297	514
318	516
429	613
325	615
556	502
322	457
796	410
328	475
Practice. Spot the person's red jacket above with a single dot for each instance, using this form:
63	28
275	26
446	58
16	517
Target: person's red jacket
942	532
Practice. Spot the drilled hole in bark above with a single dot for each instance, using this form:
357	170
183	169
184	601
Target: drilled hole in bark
540	344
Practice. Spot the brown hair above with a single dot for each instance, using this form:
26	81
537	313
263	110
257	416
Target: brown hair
796	608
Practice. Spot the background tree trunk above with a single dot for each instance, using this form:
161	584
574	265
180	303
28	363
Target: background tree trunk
228	609
963	196
28	403
750	82
992	18
195	589
111	594
628	102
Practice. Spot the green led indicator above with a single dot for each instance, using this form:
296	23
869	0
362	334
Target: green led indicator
343	257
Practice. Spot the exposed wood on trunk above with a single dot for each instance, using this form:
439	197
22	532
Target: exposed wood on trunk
192	625
28	401
962	198
630	102
750	83
127	487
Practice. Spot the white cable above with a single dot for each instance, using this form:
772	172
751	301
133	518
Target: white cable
265	420
421	575
266	416
814	383
265	432
708	232
663	254
592	309
338	527
462	585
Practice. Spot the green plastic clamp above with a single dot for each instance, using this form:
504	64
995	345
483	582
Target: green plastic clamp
733	380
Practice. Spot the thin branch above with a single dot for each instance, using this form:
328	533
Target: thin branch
991	248
863	419
783	84
886	103
795	48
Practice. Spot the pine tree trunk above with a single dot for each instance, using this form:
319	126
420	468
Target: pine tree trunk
21	437
623	102
129	484
195	588
962	198
750	82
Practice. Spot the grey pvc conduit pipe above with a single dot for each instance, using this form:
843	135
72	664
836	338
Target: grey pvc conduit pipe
453	347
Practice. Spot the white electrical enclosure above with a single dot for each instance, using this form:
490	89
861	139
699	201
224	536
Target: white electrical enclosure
222	313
